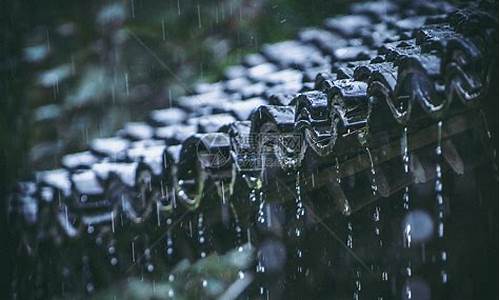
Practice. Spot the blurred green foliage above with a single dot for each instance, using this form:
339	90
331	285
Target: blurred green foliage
213	277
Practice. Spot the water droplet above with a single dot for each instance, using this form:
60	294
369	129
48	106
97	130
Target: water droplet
407	236
444	276
114	261
349	235
150	268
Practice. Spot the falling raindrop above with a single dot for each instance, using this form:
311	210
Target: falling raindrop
373	184
133	252
385	276
158	213
113	221
223	194
199	15
126	84
249	237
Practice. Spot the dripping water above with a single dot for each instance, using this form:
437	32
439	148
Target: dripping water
356	276
440	202
357	284
373	182
260	268
170	245
238	229
299	215
337	170
260	214
298	201
147	256
114	260
253	195
407	230
201	235
346	207
349	235
171	279
406	166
